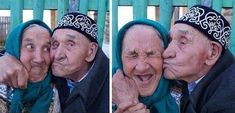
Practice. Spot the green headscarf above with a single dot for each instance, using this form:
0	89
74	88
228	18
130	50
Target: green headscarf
161	101
38	94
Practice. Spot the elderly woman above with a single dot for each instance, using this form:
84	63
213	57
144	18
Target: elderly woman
29	42
141	88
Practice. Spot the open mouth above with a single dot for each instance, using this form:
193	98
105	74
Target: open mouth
145	79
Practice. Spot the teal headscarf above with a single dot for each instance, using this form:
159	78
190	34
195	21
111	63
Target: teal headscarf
161	101
39	94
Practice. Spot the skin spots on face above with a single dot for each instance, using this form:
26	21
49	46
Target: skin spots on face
186	54
35	52
143	62
72	54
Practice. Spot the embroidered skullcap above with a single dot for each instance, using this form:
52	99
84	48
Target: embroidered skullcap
209	22
80	23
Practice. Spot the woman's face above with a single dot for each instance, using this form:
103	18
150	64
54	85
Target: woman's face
142	58
35	52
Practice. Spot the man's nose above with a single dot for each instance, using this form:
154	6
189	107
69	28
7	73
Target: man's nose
60	53
169	51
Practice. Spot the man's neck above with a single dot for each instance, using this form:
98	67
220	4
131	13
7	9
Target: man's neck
202	73
80	75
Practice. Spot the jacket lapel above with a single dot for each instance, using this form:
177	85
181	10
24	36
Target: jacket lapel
200	94
87	90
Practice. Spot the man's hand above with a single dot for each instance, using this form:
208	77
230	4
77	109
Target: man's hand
12	72
132	107
123	89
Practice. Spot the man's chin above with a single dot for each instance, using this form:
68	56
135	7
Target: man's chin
58	73
169	75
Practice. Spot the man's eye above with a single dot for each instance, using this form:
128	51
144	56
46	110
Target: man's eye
46	49
182	42
70	44
54	45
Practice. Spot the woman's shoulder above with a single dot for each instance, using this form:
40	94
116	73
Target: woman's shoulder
5	97
3	106
6	92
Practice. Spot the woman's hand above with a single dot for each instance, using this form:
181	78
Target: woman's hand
132	107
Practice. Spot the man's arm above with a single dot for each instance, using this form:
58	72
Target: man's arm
12	72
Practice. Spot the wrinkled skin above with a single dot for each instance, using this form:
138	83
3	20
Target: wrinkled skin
189	55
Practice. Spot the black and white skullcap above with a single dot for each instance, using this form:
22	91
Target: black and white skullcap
209	22
80	23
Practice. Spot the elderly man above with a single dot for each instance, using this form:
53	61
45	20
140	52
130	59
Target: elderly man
141	88
198	54
80	66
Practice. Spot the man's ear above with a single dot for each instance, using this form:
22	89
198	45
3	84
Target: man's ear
215	51
92	50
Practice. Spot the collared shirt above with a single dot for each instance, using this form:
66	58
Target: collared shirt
71	84
193	84
2	52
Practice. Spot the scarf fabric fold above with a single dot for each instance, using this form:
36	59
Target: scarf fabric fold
37	95
161	100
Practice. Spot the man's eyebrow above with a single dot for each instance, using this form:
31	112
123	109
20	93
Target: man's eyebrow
184	32
71	36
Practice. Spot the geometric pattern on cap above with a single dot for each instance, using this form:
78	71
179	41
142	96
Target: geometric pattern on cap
211	22
81	22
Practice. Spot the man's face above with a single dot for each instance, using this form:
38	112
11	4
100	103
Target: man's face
142	58
35	52
69	51
184	58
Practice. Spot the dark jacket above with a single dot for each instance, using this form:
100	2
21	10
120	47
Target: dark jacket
91	95
215	93
2	52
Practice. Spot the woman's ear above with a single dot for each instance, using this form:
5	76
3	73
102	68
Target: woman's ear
92	50
215	51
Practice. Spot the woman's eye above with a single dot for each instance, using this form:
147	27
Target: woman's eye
149	53
29	46
132	55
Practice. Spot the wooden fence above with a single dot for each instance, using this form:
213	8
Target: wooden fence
4	27
16	8
165	11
